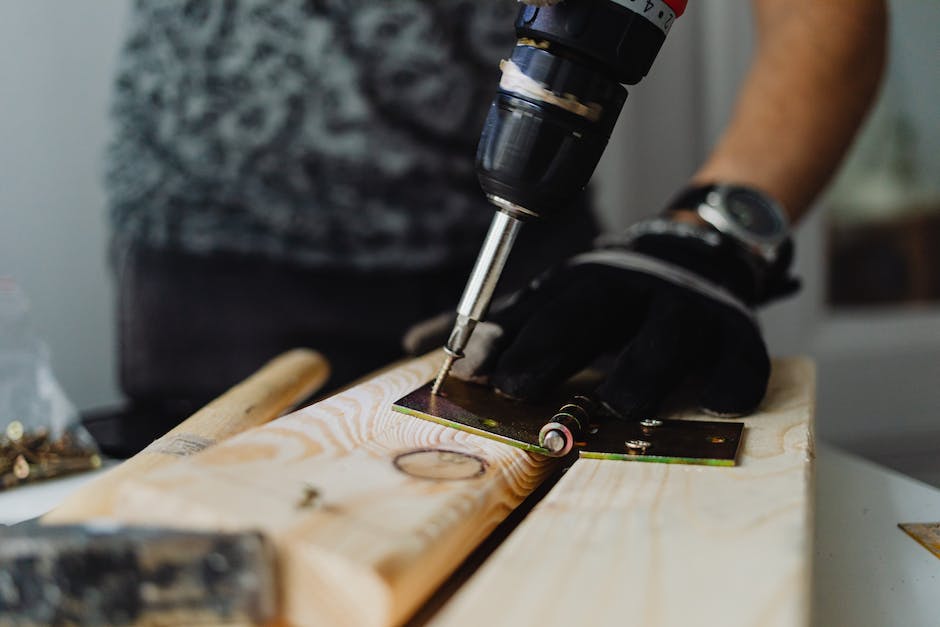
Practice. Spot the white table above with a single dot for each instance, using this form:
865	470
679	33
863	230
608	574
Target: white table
868	573
35	500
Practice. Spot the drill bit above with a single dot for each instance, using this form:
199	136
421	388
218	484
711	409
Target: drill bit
480	287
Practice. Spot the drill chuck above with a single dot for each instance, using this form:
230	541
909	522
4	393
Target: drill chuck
560	96
537	150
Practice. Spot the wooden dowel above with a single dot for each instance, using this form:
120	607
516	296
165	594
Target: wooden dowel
278	386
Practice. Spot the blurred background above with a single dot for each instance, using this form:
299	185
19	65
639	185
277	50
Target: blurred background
869	256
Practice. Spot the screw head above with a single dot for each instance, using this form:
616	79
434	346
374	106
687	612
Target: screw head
651	422
637	445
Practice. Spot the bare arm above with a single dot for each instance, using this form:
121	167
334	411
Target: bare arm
815	73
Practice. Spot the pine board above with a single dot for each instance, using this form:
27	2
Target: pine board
655	544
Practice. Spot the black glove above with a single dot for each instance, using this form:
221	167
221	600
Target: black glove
674	299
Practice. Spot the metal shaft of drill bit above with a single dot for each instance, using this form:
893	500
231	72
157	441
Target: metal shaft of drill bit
480	287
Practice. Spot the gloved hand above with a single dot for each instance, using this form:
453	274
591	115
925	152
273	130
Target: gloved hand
673	299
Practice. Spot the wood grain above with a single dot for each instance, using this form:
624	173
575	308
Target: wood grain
654	544
362	540
280	384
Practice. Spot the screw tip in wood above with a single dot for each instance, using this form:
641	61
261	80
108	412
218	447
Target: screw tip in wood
442	374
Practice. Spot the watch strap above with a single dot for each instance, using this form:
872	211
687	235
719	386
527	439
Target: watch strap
690	197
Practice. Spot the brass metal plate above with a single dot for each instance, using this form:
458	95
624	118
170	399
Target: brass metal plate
927	534
477	409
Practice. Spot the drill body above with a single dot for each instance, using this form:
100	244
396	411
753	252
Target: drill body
556	105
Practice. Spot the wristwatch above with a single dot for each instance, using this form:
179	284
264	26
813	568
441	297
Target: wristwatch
745	215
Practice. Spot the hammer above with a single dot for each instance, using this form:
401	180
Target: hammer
103	574
92	572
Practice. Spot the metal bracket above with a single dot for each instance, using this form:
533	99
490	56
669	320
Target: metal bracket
477	409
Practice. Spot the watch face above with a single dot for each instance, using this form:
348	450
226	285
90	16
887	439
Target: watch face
752	213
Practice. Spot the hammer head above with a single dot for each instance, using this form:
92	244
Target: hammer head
104	574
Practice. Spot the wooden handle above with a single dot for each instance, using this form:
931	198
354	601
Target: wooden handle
282	383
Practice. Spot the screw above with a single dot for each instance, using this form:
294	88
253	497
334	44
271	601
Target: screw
15	430
651	422
20	467
637	445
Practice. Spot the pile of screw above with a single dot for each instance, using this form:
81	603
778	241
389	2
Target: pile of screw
34	455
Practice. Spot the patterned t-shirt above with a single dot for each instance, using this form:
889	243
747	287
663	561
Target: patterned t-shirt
331	133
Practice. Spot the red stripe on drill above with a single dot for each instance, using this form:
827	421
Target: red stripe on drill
677	6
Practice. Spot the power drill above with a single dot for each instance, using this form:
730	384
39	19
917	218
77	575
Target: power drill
558	100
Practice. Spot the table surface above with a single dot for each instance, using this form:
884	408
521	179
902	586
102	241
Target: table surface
867	572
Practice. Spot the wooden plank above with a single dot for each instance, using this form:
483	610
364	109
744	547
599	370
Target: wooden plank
654	544
279	385
370	509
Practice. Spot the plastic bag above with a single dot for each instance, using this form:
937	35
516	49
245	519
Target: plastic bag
40	433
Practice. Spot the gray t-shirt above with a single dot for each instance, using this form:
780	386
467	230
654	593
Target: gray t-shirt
329	133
